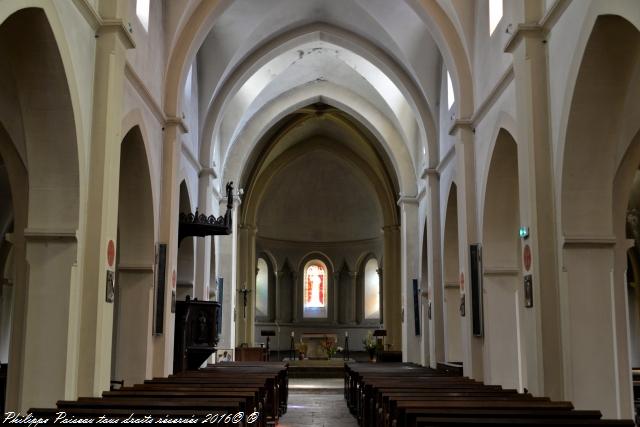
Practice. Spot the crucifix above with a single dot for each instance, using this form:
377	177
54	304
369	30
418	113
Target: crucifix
244	291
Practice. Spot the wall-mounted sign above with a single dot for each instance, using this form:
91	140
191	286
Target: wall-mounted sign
526	257
158	317
111	253
528	291
477	320
416	307
111	289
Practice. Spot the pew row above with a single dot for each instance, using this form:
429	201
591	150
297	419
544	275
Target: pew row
221	391
408	395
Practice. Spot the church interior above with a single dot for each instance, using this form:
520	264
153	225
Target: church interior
383	212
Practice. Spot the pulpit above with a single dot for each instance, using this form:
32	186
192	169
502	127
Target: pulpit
196	333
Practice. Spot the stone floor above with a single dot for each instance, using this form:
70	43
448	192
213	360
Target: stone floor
317	403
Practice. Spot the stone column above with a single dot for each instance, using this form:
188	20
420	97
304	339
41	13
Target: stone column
336	306
203	245
96	321
277	315
246	278
227	270
50	353
409	267
467	235
392	308
436	284
351	298
296	295
543	369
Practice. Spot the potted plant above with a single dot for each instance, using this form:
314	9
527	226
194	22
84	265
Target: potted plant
370	345
329	346
301	348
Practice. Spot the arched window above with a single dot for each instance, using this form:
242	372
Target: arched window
371	290
495	14
262	289
315	289
451	96
142	11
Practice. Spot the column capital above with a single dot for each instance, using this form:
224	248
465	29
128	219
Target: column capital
524	31
390	228
461	124
353	274
176	122
207	172
408	200
250	228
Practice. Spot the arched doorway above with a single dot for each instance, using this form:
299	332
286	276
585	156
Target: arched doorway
452	321
38	145
600	159
133	304
501	267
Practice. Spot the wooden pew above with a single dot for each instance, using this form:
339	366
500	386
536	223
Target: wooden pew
399	395
216	390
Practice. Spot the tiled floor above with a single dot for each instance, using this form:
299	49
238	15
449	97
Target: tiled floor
317	403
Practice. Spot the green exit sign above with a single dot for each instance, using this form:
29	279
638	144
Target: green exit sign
524	232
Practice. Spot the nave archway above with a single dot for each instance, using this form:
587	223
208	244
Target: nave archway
317	187
132	347
39	147
600	158
502	297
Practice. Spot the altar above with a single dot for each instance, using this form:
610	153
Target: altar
313	341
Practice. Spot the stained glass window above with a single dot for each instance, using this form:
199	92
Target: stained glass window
371	290
315	289
262	289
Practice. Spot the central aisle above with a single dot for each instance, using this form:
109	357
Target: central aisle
317	402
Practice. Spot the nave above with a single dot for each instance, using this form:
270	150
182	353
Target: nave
459	178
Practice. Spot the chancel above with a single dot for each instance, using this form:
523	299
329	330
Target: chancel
379	212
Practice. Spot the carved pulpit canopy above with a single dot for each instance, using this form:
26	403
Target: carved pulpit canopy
200	225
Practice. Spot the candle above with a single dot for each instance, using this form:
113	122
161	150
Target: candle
292	334
346	334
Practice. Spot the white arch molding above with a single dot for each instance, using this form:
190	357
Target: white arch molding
339	97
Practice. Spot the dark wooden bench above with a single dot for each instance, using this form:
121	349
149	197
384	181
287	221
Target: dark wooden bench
216	390
406	395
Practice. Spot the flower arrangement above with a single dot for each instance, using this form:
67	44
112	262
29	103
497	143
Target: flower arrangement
329	346
370	344
301	347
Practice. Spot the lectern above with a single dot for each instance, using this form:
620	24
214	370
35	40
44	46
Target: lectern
197	333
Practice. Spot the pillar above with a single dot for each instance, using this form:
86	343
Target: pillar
102	200
541	334
467	235
391	305
434	268
409	271
350	314
227	272
337	310
246	265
